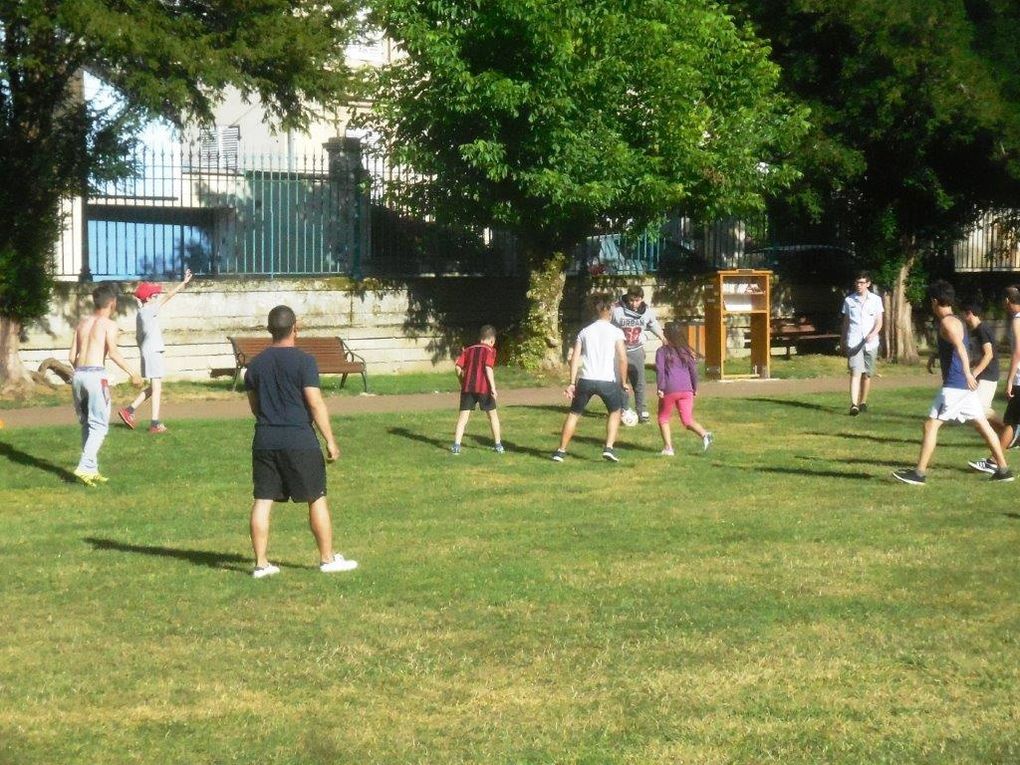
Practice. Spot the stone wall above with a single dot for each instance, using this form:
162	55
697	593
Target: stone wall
407	325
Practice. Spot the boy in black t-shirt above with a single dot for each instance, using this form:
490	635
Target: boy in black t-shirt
283	392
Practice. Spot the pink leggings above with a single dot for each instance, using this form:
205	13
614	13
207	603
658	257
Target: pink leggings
684	403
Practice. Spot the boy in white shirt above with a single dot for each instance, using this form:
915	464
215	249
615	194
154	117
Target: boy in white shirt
597	364
862	323
150	347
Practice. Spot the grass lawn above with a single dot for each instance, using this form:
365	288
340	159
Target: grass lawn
805	366
778	599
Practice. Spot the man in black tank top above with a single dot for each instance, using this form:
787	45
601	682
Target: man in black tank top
956	401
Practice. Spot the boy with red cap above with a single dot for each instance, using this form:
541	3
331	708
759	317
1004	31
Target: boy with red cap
149	337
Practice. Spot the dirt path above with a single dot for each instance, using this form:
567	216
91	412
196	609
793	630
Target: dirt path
234	408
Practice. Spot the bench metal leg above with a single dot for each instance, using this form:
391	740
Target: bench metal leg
237	376
364	380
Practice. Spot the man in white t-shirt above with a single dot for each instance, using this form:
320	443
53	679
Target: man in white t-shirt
862	323
597	364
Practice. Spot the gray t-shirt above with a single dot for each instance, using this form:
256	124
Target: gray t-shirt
148	335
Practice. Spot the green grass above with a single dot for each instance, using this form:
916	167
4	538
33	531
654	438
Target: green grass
427	382
778	599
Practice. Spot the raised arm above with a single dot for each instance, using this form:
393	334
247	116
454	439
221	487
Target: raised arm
320	416
177	288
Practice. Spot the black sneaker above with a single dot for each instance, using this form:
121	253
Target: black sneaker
909	475
855	410
1002	474
558	455
609	454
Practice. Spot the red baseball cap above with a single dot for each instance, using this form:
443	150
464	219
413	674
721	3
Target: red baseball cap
146	290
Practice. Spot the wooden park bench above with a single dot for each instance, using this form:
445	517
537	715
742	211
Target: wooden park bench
330	353
791	333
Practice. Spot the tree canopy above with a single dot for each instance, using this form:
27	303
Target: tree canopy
915	118
551	118
166	59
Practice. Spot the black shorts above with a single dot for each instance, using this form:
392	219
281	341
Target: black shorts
610	392
485	401
1012	415
295	474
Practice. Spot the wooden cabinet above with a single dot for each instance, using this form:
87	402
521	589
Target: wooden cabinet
737	305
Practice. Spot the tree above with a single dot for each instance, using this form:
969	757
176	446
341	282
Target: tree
916	125
166	59
555	118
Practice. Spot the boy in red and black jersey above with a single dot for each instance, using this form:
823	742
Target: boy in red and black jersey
478	386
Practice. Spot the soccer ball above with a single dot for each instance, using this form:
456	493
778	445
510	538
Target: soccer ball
629	418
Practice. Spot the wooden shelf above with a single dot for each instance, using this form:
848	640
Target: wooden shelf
744	292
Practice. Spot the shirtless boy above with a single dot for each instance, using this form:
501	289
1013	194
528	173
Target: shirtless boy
95	338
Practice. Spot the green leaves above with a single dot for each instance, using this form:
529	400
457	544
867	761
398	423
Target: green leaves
575	114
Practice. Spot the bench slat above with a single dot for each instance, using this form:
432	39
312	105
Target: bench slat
331	355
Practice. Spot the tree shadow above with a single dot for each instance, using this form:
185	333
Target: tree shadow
24	458
1014	516
795	403
513	447
217	560
856	461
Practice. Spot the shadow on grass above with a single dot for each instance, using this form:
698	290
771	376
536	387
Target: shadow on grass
799	471
421	438
839	411
1014	516
227	561
513	447
857	461
865	437
24	458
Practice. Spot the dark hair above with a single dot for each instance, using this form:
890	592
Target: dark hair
103	295
281	322
863	275
942	292
487	332
973	306
600	303
676	343
635	292
1012	294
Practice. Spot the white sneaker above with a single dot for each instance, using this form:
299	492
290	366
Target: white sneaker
666	452
706	441
985	465
262	572
339	563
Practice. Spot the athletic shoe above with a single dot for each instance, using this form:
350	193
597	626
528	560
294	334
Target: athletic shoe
455	449
909	475
706	441
100	478
499	449
86	478
558	455
609	454
855	410
863	407
338	564
159	427
127	417
261	572
985	465
645	418
667	452
1002	474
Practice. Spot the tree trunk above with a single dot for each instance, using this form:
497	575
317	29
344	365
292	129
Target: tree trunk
901	345
14	378
540	345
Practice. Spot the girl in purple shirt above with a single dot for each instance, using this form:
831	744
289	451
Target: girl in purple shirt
676	376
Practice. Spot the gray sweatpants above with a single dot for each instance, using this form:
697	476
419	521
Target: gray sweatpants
92	405
636	377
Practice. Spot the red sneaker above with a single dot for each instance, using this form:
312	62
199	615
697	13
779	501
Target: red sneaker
127	417
160	428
